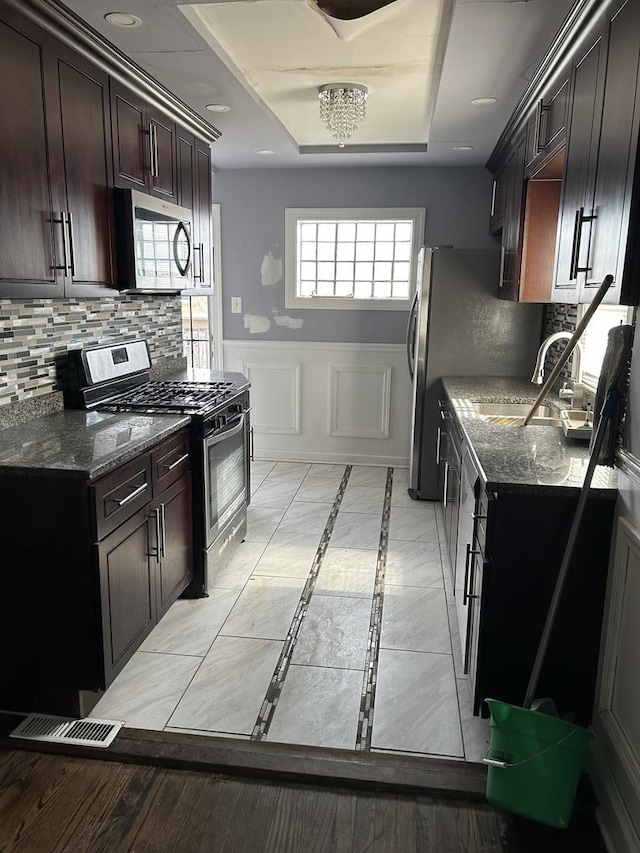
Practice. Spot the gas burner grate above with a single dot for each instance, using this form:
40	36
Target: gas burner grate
191	396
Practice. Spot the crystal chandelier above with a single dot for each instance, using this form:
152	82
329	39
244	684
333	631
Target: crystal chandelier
343	107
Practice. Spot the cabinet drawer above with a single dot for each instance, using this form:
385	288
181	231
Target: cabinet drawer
119	495
170	461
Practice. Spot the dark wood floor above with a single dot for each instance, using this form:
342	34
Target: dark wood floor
51	803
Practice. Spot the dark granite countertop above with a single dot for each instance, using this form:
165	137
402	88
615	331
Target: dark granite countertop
522	459
81	444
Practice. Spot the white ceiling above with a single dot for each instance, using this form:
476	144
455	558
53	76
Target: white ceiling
265	59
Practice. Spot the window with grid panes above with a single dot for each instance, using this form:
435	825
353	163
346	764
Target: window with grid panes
352	258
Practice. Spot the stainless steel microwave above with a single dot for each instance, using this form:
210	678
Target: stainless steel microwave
154	244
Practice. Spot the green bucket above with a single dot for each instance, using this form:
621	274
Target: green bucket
535	761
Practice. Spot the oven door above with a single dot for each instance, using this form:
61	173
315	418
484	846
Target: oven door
225	475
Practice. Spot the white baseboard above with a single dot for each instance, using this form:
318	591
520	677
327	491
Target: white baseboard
332	458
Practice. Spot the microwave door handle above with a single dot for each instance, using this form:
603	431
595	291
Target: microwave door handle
182	269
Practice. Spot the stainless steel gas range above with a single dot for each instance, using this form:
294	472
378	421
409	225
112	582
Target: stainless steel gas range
114	377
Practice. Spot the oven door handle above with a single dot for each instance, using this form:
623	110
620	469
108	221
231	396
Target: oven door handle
215	437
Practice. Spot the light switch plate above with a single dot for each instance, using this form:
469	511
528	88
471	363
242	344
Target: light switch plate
236	305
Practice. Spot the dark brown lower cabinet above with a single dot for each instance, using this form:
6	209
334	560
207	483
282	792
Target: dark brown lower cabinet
84	586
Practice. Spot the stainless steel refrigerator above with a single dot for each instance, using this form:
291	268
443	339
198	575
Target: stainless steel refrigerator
458	327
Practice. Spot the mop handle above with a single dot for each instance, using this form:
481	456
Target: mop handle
605	416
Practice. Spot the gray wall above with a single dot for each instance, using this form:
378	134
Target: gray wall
252	203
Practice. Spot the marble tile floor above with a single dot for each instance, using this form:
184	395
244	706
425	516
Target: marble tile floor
333	626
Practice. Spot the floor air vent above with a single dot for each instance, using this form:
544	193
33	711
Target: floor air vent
87	732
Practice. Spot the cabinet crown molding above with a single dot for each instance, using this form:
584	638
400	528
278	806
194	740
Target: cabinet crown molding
58	20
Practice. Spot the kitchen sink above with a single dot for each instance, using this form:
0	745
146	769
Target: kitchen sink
514	414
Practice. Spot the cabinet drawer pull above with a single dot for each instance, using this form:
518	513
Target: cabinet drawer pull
439	436
62	220
493	197
163	547
446	484
468	575
72	254
158	533
176	463
575	245
503	255
130	497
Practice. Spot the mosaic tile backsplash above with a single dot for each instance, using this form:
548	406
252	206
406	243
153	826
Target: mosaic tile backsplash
559	317
34	332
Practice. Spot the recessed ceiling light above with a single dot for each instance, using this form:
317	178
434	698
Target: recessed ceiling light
483	102
463	147
264	151
218	108
123	19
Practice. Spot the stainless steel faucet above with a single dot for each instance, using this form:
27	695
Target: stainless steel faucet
538	371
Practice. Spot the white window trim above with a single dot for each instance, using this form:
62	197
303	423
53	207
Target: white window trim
291	217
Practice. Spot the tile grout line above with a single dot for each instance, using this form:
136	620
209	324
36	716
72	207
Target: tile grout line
265	717
365	718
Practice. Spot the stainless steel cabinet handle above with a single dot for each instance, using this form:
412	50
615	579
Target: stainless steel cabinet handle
251	443
62	221
468	575
164	531
151	157
71	243
438	446
503	255
158	533
540	109
446	484
176	463
583	219
156	170
134	494
493	197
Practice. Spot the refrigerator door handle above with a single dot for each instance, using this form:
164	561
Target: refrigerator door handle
411	335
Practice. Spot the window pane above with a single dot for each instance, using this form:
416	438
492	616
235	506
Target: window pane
362	290
306	288
326	251
364	251
382	271
403	252
385	230
404	230
347	231
384	251
326	271
346	251
367	231
325	288
344	288
344	272
308	231
400	290
401	272
307	270
308	251
327	231
382	290
364	272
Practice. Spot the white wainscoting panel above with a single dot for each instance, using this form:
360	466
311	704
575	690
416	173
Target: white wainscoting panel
275	396
321	402
359	400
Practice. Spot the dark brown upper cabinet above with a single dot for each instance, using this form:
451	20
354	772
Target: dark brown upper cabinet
547	124
203	240
56	205
144	145
510	250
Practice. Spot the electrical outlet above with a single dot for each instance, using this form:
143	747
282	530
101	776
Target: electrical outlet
236	305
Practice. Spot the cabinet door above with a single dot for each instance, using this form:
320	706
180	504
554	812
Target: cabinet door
546	128
616	162
28	256
509	281
162	175
175	563
127	590
131	139
79	105
185	166
202	215
584	130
